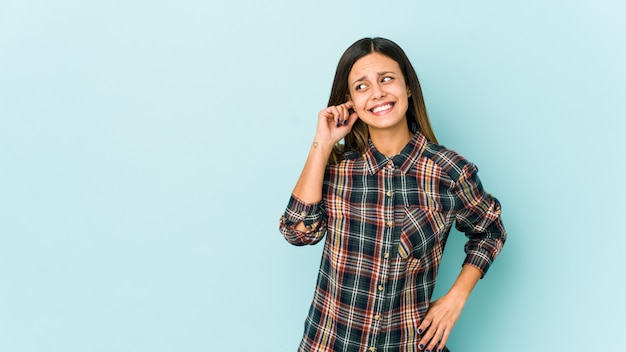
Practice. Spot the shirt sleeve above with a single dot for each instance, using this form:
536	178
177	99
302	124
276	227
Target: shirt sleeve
480	220
313	217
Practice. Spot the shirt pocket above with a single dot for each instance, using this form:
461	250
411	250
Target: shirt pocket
421	230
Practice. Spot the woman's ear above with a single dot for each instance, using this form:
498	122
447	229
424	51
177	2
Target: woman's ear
408	92
348	97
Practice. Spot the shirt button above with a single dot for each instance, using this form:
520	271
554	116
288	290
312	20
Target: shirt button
386	255
389	223
303	213
377	317
388	193
372	349
380	287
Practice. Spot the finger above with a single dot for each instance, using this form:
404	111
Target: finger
336	113
424	326
429	338
424	339
344	114
434	341
350	107
444	340
327	113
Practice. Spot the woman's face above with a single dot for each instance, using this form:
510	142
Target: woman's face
379	92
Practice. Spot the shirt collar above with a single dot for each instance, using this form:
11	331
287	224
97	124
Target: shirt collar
375	160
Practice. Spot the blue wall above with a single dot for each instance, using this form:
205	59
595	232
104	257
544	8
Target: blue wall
148	148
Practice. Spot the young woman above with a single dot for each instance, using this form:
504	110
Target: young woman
386	198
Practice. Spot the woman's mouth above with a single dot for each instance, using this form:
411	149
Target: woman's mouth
382	108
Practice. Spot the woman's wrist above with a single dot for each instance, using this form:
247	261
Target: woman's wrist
321	145
465	282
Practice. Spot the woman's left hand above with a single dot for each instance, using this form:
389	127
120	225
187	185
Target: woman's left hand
439	321
444	312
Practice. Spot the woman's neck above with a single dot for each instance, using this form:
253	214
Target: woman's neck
390	142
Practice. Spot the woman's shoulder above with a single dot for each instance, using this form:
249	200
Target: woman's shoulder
449	160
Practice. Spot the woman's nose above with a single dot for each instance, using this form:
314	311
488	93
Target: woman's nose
378	91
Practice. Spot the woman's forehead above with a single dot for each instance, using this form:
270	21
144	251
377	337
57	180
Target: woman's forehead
373	64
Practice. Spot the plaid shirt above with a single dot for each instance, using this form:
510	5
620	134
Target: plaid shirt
386	222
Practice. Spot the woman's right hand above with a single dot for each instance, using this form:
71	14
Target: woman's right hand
334	123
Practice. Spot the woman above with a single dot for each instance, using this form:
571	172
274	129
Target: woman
386	199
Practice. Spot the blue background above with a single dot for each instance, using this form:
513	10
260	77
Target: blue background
148	148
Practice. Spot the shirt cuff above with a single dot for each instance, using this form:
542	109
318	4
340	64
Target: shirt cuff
481	253
298	211
310	214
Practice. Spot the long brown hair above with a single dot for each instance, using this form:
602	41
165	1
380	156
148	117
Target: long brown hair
417	117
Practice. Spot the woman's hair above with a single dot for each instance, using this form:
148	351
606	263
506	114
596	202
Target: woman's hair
417	118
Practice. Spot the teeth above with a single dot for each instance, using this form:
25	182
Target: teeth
381	108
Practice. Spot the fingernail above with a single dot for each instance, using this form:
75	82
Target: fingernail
337	124
421	346
419	331
345	122
427	350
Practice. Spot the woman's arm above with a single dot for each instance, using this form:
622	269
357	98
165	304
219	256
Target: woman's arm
333	124
480	220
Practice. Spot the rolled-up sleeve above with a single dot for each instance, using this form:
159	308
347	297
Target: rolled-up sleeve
313	217
480	220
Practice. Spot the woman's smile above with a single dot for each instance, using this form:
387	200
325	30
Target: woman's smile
382	109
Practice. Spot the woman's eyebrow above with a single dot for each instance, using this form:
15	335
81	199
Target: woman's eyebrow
379	74
358	79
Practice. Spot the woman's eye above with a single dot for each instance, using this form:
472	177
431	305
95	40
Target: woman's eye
387	79
359	87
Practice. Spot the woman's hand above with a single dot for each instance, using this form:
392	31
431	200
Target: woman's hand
334	123
444	312
439	321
